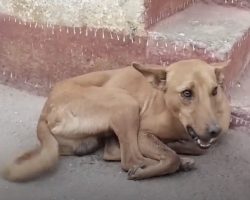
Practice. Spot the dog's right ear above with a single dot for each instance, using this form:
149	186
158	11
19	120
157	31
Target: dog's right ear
155	74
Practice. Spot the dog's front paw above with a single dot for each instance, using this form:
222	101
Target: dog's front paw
134	172
187	164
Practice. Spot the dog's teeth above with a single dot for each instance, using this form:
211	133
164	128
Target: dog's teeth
212	140
199	141
202	144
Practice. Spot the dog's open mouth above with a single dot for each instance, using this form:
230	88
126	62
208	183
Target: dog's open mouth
199	141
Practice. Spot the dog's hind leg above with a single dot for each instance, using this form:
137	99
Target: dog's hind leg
167	160
186	147
112	149
87	146
68	147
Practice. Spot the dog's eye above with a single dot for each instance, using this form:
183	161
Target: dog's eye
214	91
187	94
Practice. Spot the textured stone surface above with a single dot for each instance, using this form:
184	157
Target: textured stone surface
128	16
210	27
117	15
222	174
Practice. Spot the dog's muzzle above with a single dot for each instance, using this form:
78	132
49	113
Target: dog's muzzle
202	144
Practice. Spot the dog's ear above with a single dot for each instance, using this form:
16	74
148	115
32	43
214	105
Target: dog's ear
218	69
155	74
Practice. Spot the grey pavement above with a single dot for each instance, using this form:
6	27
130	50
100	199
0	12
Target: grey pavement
222	174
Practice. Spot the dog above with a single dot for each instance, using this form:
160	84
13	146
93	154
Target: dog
146	114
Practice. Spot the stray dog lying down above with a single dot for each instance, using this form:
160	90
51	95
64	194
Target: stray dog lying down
145	114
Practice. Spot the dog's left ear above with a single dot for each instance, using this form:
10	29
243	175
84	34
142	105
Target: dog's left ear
155	74
218	69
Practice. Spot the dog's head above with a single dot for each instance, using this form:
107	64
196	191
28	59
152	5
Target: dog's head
193	91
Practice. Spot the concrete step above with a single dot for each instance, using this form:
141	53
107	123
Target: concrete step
236	3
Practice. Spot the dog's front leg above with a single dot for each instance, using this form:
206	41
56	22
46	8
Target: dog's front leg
125	124
167	160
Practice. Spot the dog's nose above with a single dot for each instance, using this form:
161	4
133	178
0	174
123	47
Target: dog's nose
214	130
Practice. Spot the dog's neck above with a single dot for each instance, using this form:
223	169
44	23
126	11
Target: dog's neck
174	122
154	104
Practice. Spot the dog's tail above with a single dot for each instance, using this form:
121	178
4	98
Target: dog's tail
37	161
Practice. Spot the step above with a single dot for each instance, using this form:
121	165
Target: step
127	16
238	3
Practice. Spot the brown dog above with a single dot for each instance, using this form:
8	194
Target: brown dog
142	106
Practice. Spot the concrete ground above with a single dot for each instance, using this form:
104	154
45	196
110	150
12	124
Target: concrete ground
223	173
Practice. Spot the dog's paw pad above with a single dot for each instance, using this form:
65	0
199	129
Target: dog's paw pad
187	164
